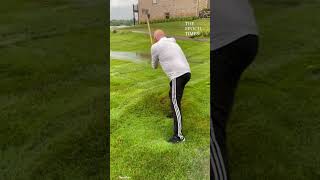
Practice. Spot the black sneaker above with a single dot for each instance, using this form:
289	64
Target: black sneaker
176	139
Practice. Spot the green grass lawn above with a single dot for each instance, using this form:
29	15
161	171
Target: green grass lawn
139	105
53	90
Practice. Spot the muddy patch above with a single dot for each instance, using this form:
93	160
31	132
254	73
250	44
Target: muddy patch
130	56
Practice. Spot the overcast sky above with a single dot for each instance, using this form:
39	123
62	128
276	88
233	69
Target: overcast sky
121	9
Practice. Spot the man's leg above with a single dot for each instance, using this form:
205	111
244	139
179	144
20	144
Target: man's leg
227	65
176	92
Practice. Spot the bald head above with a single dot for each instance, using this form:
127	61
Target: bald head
158	34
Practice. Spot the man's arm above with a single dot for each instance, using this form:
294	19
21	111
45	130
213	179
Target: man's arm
154	57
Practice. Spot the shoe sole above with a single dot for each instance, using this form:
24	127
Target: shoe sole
184	139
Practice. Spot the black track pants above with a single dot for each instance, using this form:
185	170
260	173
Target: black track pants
176	92
226	66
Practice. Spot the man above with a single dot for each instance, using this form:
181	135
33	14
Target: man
168	53
234	44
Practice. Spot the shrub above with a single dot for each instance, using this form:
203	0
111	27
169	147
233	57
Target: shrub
205	13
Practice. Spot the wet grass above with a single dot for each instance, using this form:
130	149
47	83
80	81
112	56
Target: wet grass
139	106
53	90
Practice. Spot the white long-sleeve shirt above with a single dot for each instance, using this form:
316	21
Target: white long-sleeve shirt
170	56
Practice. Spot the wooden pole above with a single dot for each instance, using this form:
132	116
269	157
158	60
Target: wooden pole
151	41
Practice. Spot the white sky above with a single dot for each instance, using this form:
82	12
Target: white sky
121	9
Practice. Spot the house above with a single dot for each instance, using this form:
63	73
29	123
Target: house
165	9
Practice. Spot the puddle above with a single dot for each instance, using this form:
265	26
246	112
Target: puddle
118	27
130	56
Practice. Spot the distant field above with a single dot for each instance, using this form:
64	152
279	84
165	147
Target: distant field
53	90
174	28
